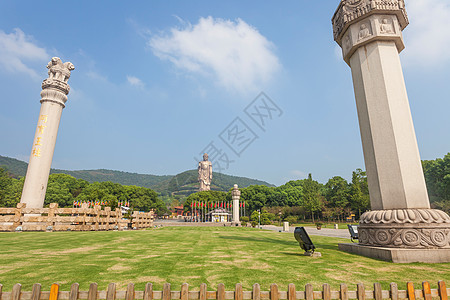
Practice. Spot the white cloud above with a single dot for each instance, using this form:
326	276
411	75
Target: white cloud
298	174
134	81
17	50
233	53
428	36
140	30
96	76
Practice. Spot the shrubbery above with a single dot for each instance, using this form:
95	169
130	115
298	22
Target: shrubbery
291	219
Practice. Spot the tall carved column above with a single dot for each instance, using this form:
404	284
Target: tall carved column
370	34
53	99
235	196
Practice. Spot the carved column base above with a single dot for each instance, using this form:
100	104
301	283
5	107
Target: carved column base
405	228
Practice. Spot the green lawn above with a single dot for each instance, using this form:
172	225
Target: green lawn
194	255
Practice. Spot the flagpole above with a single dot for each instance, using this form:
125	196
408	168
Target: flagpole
240	207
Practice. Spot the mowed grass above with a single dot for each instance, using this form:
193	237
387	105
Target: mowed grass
194	255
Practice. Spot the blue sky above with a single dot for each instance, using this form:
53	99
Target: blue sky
156	82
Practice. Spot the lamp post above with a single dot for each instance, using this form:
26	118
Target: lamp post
259	218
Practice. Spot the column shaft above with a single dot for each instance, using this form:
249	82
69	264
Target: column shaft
43	147
394	171
53	98
401	221
235	210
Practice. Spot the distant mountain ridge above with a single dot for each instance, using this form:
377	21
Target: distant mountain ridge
185	183
182	184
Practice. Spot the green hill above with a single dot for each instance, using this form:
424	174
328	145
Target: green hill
186	183
125	178
14	166
19	168
182	184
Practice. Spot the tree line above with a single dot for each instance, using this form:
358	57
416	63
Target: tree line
306	198
335	200
437	177
65	189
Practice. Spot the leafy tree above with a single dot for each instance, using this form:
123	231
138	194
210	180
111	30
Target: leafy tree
255	216
145	199
12	193
442	205
244	219
312	198
291	219
359	192
288	195
175	202
337	192
437	177
58	193
327	212
63	189
258	196
264	217
5	181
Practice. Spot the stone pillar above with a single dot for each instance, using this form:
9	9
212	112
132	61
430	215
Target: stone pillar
53	99
370	34
286	226
235	196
